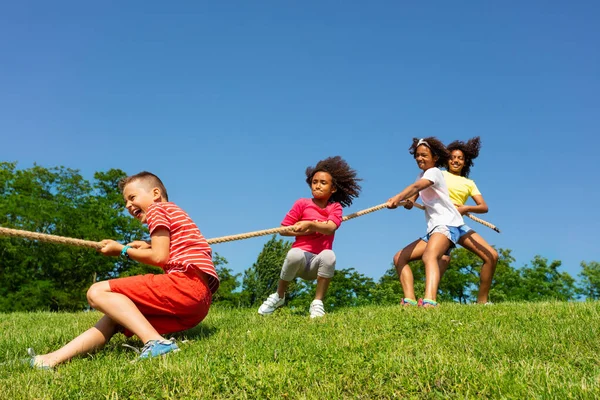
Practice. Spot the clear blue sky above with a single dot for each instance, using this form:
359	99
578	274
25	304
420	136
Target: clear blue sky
229	102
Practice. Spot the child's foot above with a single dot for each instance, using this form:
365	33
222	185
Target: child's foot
35	361
272	303
155	348
316	309
406	302
427	303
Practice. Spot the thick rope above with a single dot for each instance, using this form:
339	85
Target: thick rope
474	218
286	228
43	237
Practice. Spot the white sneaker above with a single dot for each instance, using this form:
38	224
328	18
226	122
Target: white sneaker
316	309
271	304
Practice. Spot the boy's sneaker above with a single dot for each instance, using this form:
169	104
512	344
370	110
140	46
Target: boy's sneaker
155	348
32	361
316	309
272	303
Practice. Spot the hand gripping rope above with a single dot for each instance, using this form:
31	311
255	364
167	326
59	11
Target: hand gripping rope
43	237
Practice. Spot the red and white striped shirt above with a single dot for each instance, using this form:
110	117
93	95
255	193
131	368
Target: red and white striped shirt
188	248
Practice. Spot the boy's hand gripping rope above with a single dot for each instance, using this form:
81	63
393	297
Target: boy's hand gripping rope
43	237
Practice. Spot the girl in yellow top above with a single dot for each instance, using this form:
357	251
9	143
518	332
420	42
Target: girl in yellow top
460	188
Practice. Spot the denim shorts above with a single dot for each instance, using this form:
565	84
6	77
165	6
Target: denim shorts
453	233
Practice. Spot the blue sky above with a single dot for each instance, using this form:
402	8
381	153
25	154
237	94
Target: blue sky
229	102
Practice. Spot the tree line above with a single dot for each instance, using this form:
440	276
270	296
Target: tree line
59	201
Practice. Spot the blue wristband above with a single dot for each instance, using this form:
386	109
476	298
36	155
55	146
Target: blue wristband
124	251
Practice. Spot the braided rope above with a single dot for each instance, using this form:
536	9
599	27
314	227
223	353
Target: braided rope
44	237
474	218
281	229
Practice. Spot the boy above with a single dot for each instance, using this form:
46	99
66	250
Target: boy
149	305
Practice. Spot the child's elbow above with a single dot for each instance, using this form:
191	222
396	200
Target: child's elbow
161	260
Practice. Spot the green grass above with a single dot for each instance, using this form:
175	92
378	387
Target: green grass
514	351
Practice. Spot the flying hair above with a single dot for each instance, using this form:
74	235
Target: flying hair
470	151
343	179
437	149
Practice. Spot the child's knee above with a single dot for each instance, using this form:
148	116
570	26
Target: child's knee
399	260
494	256
94	292
294	260
326	264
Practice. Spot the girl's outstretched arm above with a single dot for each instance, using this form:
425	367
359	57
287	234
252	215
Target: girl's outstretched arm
409	192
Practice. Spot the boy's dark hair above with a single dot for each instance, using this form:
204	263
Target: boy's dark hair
343	179
437	149
147	177
470	150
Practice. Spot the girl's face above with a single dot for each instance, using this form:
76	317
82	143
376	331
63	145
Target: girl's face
424	158
456	162
322	185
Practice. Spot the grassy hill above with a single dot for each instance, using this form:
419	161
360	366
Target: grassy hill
514	351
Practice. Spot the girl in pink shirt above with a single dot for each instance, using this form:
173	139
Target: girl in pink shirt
334	185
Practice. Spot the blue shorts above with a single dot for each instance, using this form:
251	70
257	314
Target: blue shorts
453	233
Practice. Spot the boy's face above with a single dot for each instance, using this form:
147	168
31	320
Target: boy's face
138	197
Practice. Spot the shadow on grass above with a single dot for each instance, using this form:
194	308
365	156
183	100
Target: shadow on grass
201	331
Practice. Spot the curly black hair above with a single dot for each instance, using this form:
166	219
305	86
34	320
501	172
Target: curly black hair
470	151
437	149
343	177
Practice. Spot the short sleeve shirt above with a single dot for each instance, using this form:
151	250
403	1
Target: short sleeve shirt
460	188
439	210
307	210
188	248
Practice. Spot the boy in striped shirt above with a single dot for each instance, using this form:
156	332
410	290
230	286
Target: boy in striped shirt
149	305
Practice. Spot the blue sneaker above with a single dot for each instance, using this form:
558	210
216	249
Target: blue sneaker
33	364
155	348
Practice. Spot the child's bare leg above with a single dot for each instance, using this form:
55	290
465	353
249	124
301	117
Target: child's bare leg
444	263
473	242
438	244
413	251
322	286
282	288
121	310
89	341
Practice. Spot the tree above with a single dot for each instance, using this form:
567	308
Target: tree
507	283
541	281
389	290
590	280
461	280
261	279
37	275
226	295
347	288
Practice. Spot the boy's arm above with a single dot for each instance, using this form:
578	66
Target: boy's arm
157	254
409	192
